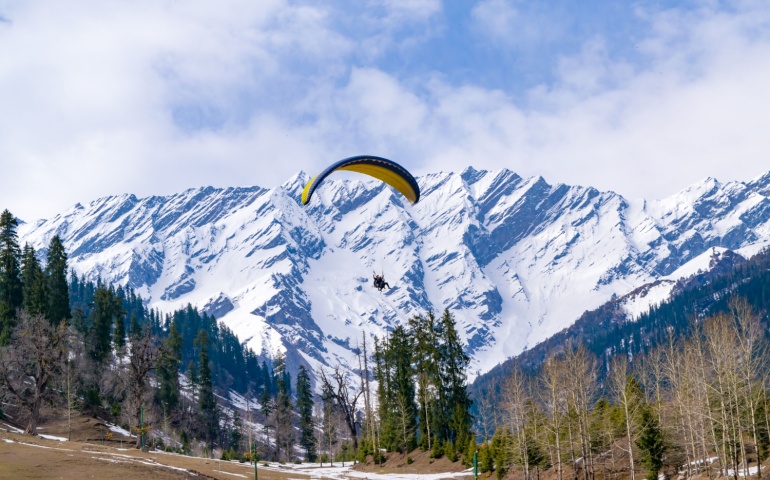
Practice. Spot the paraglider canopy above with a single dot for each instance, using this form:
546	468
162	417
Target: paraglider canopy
381	168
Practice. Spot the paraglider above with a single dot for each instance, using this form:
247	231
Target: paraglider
380	283
380	168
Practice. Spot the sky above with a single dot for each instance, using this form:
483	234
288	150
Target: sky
152	97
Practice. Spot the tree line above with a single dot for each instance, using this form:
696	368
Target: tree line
694	405
420	399
86	347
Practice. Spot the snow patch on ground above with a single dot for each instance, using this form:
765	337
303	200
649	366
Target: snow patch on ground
120	430
233	474
347	472
12	429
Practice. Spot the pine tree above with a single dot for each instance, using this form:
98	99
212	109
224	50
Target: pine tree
33	282
58	305
207	404
423	331
284	428
265	402
650	443
135	329
469	451
454	363
11	290
305	411
119	334
266	408
500	449
168	371
485	458
236	435
106	310
404	421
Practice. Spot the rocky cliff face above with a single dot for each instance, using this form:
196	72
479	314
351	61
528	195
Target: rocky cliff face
515	259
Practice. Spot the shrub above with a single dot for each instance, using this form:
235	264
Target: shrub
449	451
437	450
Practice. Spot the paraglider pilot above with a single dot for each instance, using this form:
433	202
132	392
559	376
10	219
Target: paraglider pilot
380	283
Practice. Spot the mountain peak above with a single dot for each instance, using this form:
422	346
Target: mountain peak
514	260
296	182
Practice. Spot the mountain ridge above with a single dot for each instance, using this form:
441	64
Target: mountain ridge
516	259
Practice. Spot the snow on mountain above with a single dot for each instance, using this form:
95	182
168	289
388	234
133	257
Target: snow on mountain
641	299
515	259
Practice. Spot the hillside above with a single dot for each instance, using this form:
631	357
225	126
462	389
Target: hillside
608	330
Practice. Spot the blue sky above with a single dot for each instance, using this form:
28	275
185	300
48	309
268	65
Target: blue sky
155	96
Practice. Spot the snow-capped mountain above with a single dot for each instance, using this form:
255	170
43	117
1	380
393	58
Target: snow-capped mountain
515	259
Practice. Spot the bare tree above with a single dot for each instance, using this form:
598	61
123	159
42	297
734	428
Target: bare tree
752	350
581	385
622	384
33	359
515	399
553	378
327	437
340	385
719	341
142	356
371	427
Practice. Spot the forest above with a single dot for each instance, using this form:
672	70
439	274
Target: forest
694	405
182	382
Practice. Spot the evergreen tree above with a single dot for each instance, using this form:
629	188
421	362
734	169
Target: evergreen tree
485	458
58	305
168	371
106	310
33	282
404	412
500	449
192	372
284	427
236	435
119	333
395	374
266	408
305	411
207	404
470	449
454	364
265	402
650	443
383	376
135	329
423	330
11	289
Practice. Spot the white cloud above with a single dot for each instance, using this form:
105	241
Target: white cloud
155	97
150	97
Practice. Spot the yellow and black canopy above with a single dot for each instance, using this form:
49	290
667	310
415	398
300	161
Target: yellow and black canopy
381	168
